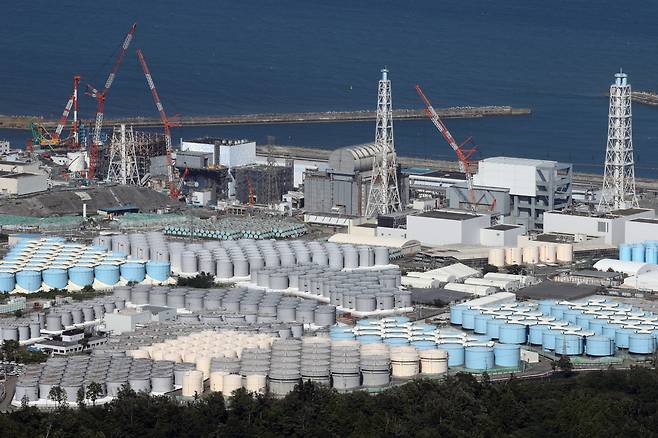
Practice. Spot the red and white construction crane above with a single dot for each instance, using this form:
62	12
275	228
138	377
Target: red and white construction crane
100	96
174	191
71	104
463	154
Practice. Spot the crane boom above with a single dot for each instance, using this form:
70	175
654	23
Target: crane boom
174	192
100	96
463	155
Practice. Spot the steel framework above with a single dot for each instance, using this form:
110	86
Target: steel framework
123	167
384	193
619	175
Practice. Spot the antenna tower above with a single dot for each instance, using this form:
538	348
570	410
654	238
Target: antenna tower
384	195
619	175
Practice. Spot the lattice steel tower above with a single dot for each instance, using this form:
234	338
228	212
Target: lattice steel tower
619	176
384	194
123	167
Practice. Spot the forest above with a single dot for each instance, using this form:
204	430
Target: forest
611	403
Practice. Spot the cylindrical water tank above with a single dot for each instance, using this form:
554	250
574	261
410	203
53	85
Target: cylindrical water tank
565	252
479	357
231	382
507	355
29	280
625	252
55	278
133	271
188	262
81	276
54	322
366	303
497	257
158	270
192	383
641	343
161	384
531	255
568	344
256	383
510	333
433	361
455	353
7	281
381	256
108	274
599	346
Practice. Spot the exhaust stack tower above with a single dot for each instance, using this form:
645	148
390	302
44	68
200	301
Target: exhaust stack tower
384	194
619	175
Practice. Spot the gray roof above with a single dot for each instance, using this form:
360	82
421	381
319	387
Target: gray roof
556	290
430	295
450	215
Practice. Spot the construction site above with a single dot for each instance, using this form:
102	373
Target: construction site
222	264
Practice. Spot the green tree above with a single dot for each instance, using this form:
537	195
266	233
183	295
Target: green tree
80	397
94	390
18	313
565	365
57	395
9	349
489	268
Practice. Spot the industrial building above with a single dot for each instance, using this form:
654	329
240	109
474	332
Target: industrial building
609	227
262	184
446	227
220	151
501	235
518	189
18	184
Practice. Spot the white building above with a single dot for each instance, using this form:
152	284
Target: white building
222	152
447	227
17	184
639	230
610	227
501	235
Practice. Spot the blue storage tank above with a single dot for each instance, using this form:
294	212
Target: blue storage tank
512	334
569	344
81	276
641	343
336	336
493	328
424	345
456	313
7	281
548	339
455	354
423	328
610	330
637	253
651	255
571	315
107	274
625	252
29	280
481	323
622	337
468	318
132	271
369	339
558	310
479	358
596	325
361	322
401	319
584	320
396	341
55	278
545	306
599	346
536	334
158	271
507	355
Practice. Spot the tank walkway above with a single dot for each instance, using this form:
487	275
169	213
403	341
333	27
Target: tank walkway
23	122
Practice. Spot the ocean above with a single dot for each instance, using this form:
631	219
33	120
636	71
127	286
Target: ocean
222	57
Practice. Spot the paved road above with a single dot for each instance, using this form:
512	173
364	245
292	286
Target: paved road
10	388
